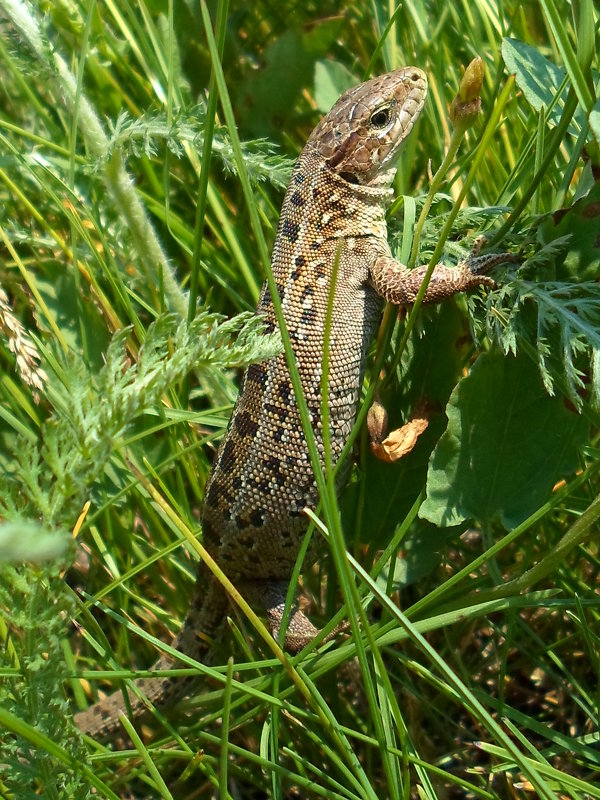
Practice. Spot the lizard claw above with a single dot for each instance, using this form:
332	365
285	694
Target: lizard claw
482	264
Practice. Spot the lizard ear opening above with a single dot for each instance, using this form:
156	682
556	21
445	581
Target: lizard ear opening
349	177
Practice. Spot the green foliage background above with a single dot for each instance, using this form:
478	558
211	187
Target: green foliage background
142	168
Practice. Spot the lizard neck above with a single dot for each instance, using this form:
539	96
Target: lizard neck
320	206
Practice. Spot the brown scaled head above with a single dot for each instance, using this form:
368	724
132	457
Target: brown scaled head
360	137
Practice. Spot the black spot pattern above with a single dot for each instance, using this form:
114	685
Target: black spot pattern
245	424
228	455
257	373
279	412
278	434
284	390
309	315
262	478
290	230
273	466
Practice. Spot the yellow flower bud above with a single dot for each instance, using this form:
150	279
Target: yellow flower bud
472	81
466	106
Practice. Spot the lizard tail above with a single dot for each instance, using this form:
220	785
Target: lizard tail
205	614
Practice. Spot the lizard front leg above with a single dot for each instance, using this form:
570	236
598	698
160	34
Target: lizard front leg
400	286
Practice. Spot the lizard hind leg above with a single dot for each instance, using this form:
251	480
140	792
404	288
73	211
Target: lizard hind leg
271	596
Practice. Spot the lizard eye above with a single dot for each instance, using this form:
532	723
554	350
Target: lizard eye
380	118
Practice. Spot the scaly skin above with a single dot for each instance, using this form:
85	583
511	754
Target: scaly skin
262	477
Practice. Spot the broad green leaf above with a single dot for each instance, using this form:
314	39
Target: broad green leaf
537	77
60	295
594	121
582	223
506	445
266	104
430	366
421	553
331	80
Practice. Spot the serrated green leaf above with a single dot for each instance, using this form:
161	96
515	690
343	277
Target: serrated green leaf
506	445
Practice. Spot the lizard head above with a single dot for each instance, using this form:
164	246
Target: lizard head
360	137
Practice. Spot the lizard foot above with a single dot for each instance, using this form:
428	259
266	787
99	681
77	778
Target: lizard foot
300	630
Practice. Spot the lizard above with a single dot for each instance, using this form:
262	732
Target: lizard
261	479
